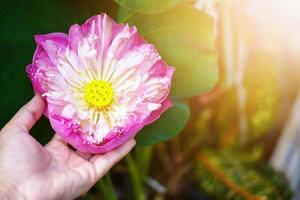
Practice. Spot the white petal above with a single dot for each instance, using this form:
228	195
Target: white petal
102	129
140	59
148	107
68	111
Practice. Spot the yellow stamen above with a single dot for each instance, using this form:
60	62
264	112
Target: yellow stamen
98	93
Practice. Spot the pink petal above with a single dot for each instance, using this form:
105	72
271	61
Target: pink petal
156	114
100	49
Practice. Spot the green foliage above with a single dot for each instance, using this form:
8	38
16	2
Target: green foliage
263	94
228	175
106	188
182	34
150	6
136	179
184	39
138	162
169	125
261	105
226	119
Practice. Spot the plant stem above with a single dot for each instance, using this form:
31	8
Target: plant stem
137	181
143	158
106	188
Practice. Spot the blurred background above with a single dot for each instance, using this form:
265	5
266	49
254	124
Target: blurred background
242	139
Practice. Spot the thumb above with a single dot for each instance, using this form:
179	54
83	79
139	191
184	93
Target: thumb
26	117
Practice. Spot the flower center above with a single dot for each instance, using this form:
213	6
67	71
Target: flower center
98	93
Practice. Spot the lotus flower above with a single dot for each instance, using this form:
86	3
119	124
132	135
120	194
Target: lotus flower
102	83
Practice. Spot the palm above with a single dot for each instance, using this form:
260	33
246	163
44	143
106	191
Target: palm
55	169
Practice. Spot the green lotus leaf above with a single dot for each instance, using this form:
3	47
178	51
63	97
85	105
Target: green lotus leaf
184	39
167	126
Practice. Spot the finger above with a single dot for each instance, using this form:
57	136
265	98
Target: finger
58	147
56	139
103	163
26	117
86	156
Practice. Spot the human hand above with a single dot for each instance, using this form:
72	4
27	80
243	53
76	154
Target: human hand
30	171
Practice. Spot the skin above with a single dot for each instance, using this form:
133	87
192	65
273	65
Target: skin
29	170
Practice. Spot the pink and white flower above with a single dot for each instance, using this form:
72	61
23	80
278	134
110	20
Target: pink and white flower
102	83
